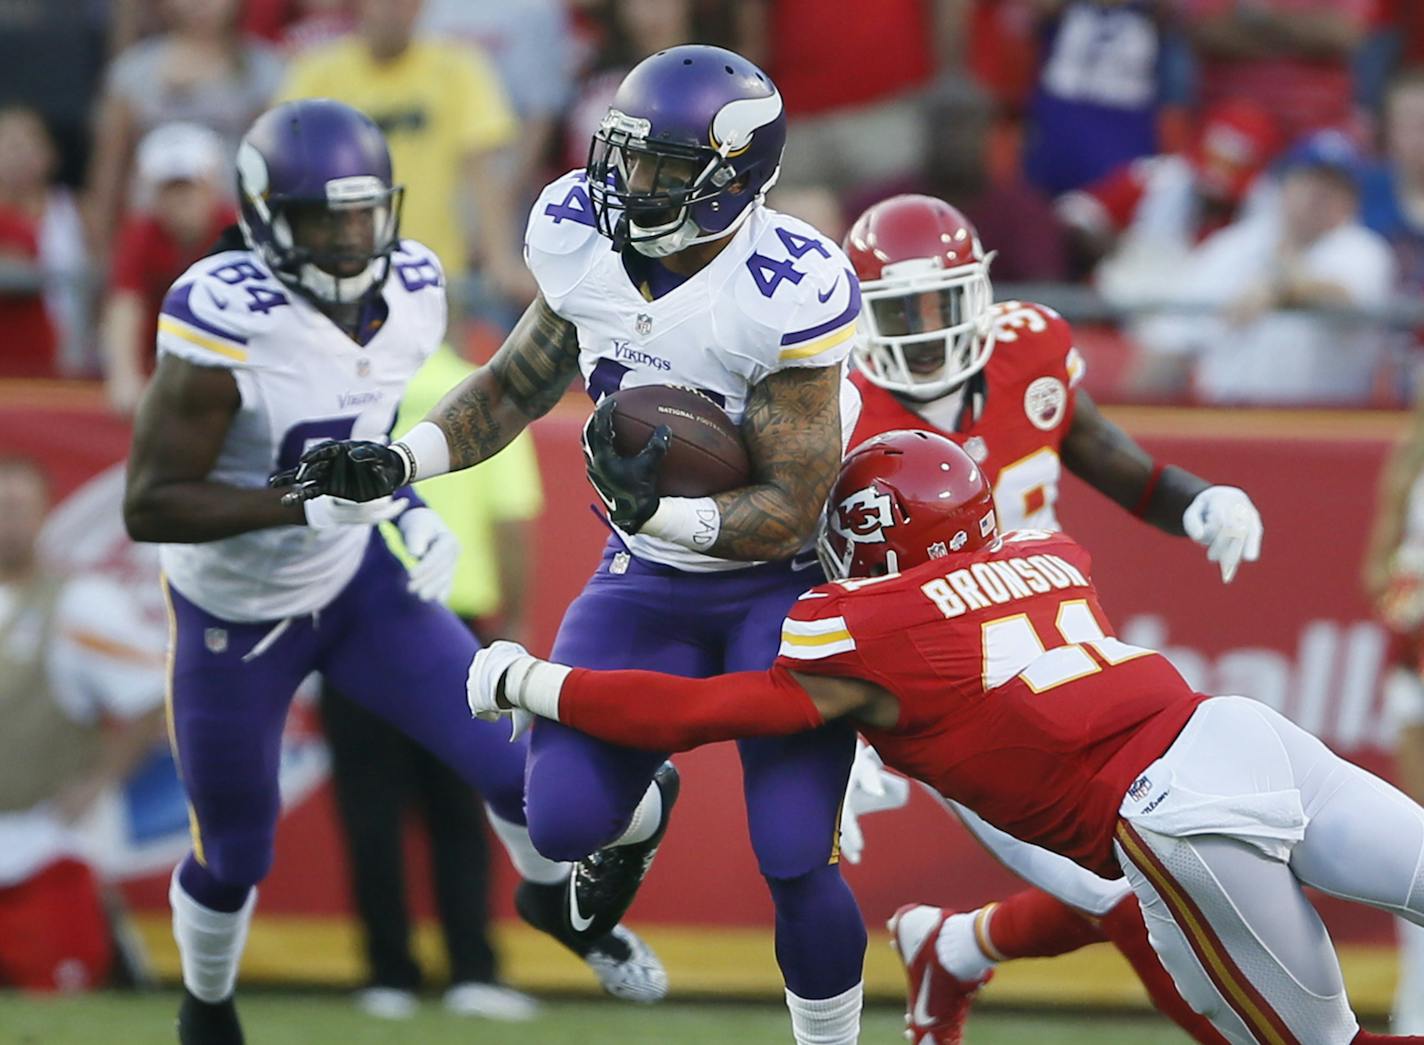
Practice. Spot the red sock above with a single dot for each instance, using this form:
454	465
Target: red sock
1032	924
1123	925
1366	1038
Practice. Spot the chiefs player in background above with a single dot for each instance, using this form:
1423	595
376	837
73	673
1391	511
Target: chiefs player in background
985	667
936	353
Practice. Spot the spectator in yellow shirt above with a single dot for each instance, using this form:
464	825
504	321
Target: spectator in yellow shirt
447	119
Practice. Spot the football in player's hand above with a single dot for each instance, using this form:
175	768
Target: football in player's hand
706	454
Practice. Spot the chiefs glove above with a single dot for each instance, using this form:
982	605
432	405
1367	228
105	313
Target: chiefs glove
505	680
627	485
352	469
1224	519
871	789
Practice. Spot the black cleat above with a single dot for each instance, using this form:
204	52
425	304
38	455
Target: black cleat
602	886
625	966
208	1023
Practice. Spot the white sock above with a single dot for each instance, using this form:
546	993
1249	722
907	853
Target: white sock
531	865
957	948
209	942
646	818
826	1021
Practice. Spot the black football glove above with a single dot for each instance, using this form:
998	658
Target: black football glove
353	469
627	485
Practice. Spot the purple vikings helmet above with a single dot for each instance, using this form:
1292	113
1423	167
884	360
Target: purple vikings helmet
689	147
317	153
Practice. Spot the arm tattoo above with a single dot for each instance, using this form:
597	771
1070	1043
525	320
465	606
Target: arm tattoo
523	381
793	433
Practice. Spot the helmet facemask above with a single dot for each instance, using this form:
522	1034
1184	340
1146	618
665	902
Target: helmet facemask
643	194
925	330
343	272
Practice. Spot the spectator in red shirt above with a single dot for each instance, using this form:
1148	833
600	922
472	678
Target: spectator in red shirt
1151	212
1292	56
28	207
851	75
184	210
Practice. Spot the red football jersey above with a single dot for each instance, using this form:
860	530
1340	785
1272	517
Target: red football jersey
1015	698
1027	410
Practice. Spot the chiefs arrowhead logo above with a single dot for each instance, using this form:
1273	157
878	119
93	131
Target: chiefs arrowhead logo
864	516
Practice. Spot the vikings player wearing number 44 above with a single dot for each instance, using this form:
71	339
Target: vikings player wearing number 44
304	326
707	288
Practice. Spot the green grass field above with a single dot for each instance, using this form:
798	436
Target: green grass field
330	1019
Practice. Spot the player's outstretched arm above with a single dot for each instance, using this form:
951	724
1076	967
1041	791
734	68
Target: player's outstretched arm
178	433
526	377
476	419
659	712
792	429
1401	471
1173	499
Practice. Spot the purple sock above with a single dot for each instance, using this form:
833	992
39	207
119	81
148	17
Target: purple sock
820	935
198	882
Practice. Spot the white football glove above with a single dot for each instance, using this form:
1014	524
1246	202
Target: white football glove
482	684
436	551
326	512
1224	519
872	789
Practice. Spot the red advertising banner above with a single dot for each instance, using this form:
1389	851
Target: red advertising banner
1293	630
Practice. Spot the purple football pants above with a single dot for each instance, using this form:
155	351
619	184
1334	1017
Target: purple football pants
580	792
231	684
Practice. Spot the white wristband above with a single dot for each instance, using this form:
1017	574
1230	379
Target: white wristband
693	522
534	685
426	451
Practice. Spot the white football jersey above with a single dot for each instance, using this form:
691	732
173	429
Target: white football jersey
302	381
779	295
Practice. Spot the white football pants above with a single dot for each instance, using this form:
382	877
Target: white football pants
1409	995
1242	811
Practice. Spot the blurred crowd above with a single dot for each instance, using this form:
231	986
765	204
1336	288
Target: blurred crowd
1226	195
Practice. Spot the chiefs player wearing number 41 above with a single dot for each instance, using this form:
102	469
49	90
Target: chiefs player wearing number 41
983	665
936	353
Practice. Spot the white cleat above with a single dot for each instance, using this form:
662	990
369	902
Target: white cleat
387	1003
490	1001
627	967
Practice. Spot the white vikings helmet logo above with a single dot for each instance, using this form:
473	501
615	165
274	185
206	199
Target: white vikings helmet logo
864	516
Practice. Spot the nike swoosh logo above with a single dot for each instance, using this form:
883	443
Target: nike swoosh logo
797	567
576	918
921	1014
823	298
219	302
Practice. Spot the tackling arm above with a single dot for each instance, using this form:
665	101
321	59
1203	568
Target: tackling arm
1397	478
792	429
658	712
181	424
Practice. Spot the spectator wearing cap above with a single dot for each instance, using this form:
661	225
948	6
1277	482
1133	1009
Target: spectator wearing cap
1146	216
182	210
1392	194
1255	282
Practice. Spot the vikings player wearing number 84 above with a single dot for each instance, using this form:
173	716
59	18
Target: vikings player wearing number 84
304	326
707	288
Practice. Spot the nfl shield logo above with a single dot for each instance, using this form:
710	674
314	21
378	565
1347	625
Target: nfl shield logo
976	448
363	367
619	565
215	639
643	324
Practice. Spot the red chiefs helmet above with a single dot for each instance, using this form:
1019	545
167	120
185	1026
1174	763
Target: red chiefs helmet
902	499
924	278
